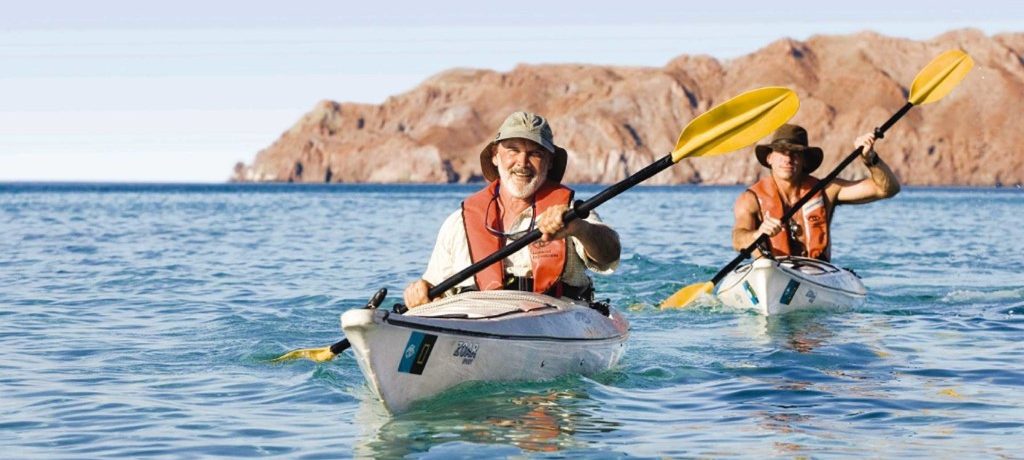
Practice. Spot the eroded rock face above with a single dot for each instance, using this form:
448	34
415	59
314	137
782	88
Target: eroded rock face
615	120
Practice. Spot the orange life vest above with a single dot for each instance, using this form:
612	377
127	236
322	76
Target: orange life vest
547	259
814	216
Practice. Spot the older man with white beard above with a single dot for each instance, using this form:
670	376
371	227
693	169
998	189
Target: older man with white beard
524	169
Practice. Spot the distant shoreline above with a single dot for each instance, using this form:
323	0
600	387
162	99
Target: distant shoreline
93	186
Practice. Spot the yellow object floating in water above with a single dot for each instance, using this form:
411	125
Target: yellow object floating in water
951	393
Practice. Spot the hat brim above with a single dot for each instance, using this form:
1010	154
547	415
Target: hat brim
812	155
555	172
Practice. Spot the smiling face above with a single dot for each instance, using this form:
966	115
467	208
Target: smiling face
786	165
522	166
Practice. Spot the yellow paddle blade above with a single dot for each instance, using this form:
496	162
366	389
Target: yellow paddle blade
939	77
687	295
737	123
319	355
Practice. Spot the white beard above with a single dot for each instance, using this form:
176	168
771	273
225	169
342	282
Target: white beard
510	181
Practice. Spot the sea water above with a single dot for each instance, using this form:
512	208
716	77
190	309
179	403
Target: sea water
139	320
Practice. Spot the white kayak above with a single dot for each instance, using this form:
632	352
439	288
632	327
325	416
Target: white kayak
480	336
774	287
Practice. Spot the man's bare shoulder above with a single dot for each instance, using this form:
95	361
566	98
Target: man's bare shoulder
746	201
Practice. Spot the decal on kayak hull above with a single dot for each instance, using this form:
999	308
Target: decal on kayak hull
750	292
789	292
466	351
417	352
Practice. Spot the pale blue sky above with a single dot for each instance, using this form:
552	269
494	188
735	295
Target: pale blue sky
180	91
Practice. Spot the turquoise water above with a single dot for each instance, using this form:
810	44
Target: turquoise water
137	321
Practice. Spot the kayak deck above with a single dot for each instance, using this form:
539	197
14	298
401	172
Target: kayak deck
487	304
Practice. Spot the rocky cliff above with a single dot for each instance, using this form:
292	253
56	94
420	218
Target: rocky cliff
616	120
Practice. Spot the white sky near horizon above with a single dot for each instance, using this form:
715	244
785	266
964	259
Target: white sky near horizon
128	92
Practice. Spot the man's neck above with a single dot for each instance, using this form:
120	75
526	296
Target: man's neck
512	206
788	187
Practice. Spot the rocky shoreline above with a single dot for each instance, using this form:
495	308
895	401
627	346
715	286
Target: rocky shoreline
616	120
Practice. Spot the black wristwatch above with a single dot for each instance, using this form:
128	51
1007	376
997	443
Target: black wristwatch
871	159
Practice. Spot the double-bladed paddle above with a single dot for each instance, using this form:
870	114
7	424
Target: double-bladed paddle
934	82
730	126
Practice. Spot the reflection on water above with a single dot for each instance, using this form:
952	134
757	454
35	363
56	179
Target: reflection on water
801	331
533	417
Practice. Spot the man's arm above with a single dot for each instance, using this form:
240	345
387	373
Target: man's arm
600	242
440	266
746	230
881	184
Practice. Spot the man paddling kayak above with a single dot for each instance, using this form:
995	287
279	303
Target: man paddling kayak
791	161
524	169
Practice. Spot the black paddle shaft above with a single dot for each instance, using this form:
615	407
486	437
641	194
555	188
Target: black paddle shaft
579	211
341	346
879	133
374	302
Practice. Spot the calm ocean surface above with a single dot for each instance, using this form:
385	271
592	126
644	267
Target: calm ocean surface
138	321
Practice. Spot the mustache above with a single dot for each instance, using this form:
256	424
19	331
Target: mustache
521	170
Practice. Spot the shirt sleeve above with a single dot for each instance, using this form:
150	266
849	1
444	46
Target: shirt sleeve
449	252
603	269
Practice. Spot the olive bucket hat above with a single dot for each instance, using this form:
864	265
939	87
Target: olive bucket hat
791	138
529	126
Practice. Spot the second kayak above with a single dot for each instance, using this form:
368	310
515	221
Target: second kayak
777	286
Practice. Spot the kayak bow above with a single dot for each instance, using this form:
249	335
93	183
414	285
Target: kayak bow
778	286
489	336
